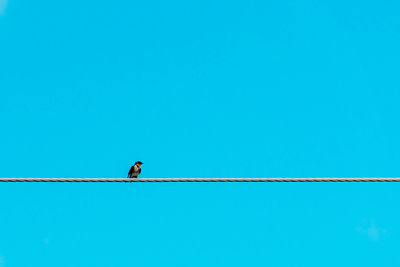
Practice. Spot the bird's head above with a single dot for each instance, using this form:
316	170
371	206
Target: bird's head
138	163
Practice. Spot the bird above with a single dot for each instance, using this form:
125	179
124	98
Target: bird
135	170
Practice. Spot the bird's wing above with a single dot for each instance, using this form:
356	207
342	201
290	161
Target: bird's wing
131	170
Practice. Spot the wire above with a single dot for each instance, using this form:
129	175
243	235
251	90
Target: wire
139	180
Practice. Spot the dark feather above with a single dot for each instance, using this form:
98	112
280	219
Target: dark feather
131	171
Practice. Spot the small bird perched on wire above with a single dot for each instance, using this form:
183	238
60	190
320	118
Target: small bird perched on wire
135	170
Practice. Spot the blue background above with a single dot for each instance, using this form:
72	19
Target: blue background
199	89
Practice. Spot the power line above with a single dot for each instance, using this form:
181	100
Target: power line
140	180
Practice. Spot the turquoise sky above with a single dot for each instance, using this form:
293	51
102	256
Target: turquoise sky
199	89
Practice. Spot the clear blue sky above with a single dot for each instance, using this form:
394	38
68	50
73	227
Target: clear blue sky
199	89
